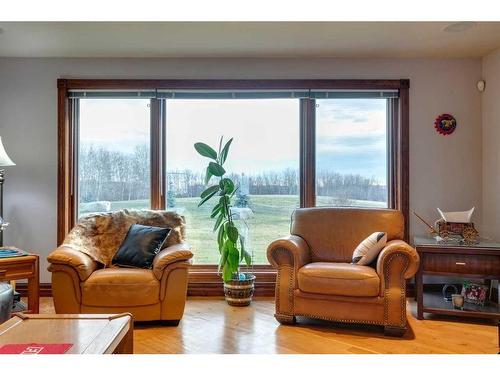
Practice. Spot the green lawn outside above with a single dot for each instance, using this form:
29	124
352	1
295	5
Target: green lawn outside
271	220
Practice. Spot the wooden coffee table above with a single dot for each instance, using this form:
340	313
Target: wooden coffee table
89	333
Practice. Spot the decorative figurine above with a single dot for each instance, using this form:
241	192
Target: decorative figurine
458	224
453	225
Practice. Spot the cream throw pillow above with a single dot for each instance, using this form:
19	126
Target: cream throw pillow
369	248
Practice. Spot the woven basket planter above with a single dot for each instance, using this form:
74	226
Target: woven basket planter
239	292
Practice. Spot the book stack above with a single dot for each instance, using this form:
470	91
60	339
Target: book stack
10	252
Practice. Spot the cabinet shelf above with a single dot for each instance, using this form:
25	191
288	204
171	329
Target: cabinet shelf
434	303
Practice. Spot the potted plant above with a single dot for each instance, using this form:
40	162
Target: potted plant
238	286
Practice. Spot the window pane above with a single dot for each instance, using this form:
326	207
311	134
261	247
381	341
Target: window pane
114	155
351	152
263	161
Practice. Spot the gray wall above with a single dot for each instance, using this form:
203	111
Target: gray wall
491	149
445	172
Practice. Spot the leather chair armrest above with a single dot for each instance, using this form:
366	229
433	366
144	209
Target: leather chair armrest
175	253
401	248
80	262
291	250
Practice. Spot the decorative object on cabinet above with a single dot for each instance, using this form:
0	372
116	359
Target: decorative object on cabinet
474	293
445	124
457	300
448	291
453	226
457	224
431	230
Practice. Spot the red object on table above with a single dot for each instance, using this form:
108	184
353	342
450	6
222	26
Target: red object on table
35	348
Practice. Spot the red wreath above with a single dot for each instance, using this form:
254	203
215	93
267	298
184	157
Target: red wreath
445	124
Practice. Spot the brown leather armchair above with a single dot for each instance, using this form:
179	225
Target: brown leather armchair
316	278
83	285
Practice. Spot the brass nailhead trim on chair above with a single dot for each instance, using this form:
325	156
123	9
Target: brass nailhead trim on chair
402	288
277	290
342	320
290	281
282	318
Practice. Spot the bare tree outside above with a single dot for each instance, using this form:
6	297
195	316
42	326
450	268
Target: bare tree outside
117	176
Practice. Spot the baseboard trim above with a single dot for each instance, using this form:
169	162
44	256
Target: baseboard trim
208	289
215	289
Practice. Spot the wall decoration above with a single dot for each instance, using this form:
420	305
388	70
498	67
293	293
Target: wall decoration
445	124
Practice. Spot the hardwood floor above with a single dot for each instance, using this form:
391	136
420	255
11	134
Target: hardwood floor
211	326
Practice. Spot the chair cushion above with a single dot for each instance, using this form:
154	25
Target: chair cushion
121	287
342	279
369	249
140	246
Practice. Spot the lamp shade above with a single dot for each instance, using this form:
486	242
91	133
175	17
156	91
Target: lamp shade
5	161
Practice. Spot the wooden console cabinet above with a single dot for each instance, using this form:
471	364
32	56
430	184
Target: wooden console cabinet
478	261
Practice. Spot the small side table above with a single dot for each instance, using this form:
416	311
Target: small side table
25	267
452	259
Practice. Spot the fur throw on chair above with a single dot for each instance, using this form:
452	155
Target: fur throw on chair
100	235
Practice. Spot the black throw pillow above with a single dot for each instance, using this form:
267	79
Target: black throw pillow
140	246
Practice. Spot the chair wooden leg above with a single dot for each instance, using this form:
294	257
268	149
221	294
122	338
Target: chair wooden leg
285	319
394	331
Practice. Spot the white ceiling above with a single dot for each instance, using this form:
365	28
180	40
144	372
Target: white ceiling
246	39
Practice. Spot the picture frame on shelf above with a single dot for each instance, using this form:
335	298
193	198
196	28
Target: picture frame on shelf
475	293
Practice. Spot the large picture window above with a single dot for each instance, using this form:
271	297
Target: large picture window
113	155
351	152
129	144
264	162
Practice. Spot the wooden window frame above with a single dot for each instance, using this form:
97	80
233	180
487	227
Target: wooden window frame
203	279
